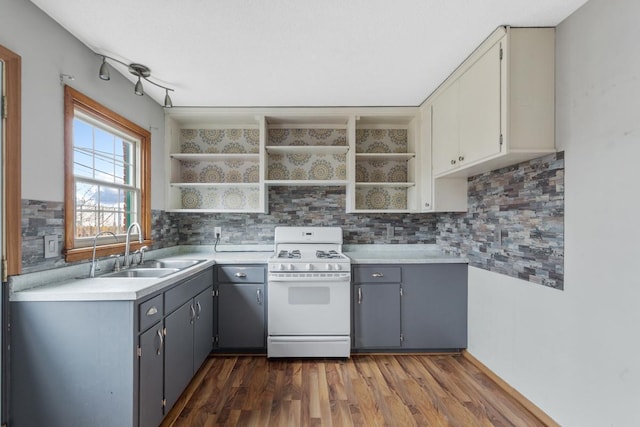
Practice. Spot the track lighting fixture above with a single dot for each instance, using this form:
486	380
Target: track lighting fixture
139	70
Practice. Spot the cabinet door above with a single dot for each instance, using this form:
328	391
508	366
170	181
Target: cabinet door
445	130
434	306
203	327
241	315
178	359
479	108
377	315
151	377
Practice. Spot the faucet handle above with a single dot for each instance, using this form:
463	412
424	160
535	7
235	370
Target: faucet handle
141	252
116	266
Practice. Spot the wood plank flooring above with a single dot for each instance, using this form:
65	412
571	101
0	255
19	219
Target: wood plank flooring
366	390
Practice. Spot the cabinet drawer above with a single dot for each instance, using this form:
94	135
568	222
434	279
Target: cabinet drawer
239	274
177	296
149	312
376	274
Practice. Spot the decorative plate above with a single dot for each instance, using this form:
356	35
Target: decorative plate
188	134
277	136
234	176
190	147
377	199
233	199
298	173
211	136
277	171
321	170
191	198
252	174
212	173
398	173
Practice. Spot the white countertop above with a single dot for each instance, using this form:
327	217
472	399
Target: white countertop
400	254
62	284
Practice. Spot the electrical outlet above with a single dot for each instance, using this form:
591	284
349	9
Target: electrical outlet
217	231
50	246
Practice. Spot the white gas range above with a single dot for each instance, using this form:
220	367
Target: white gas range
309	278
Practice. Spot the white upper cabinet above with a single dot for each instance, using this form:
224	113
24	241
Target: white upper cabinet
497	108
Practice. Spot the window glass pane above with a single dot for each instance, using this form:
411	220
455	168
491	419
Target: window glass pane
86	209
82	134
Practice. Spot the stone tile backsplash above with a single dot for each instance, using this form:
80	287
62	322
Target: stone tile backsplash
515	222
514	226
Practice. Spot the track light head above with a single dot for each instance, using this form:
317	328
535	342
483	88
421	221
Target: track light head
138	88
104	70
167	100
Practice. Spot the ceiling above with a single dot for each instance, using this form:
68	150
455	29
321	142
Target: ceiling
296	52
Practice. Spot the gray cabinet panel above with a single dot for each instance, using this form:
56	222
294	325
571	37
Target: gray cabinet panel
151	368
150	312
376	274
377	315
434	306
72	364
240	274
241	315
178	358
175	297
203	327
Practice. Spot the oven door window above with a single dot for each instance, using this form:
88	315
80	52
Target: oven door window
321	308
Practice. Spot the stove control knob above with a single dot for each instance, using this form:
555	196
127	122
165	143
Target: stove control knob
337	267
329	267
290	267
309	267
280	266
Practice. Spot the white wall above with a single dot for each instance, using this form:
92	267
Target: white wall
48	50
575	353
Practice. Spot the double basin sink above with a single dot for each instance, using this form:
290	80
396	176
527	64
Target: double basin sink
153	269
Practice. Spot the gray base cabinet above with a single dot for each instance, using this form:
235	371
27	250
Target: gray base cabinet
108	363
241	307
410	307
151	377
434	306
376	315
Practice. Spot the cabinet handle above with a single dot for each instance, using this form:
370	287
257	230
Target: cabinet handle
359	295
241	274
259	296
377	275
198	310
161	341
453	162
461	158
152	311
193	313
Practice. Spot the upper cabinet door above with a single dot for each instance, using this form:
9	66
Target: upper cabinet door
445	130
480	108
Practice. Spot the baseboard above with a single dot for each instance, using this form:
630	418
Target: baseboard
515	394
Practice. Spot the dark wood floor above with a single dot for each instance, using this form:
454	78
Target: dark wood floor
366	390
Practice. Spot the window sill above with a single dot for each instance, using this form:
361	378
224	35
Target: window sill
85	253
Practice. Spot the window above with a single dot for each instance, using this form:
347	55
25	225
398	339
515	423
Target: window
106	177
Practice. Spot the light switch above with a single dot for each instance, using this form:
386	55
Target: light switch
51	246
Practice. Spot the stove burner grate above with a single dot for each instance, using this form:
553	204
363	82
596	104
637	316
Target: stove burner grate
289	254
328	254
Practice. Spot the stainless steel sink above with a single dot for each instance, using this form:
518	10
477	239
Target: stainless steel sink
170	263
141	273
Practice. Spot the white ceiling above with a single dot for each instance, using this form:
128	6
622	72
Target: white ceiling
296	52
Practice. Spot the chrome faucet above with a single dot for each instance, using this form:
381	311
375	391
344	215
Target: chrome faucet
94	263
127	261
